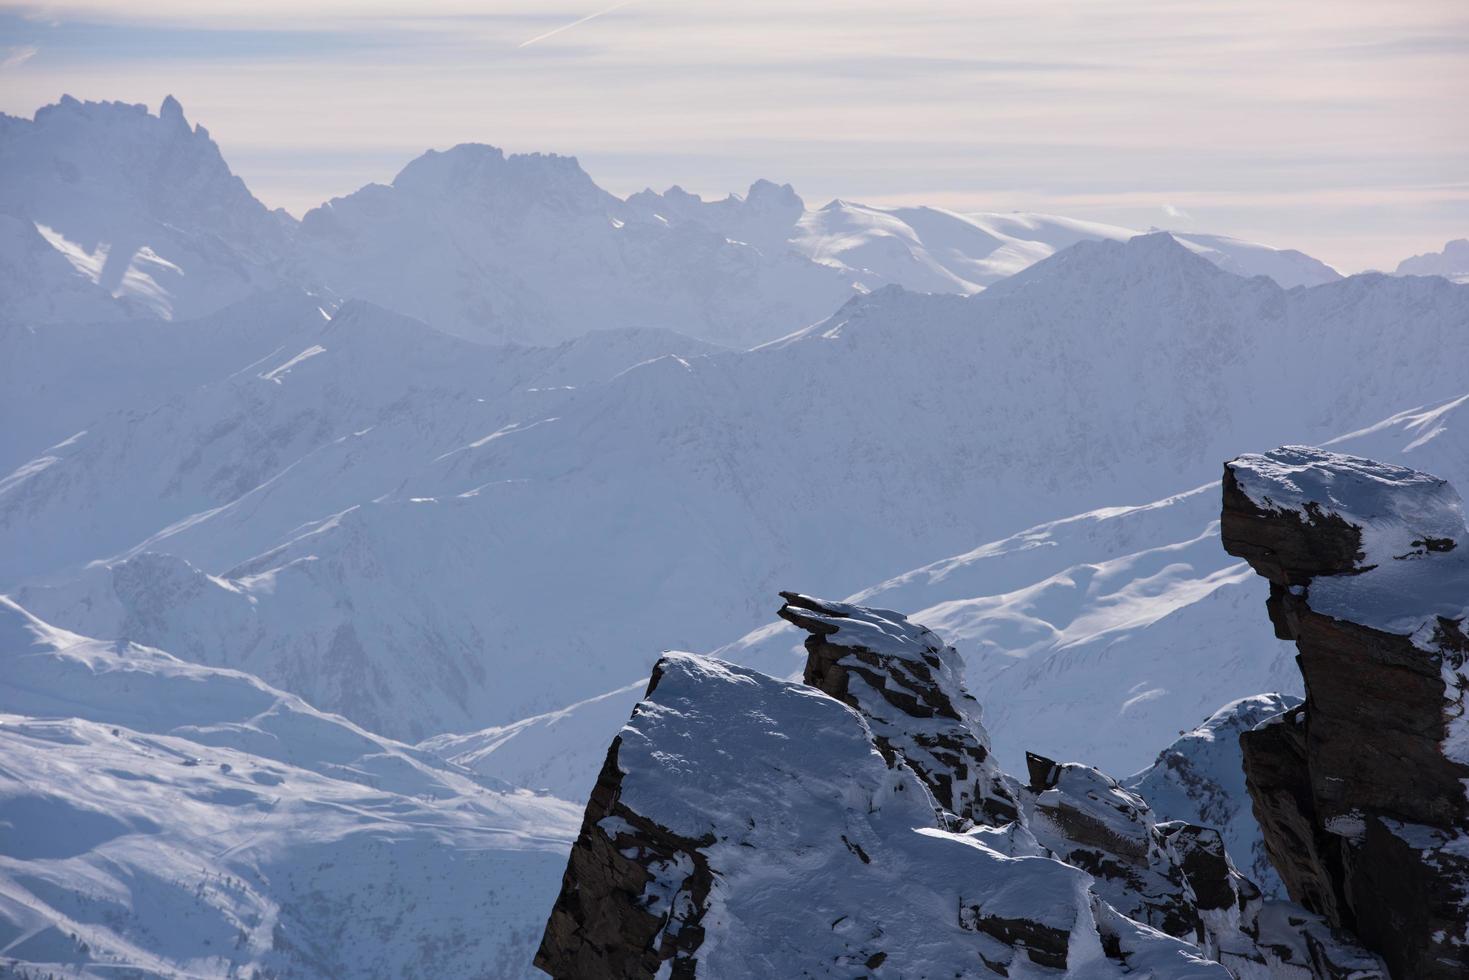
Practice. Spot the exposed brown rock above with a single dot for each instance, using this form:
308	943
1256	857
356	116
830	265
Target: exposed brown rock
1353	790
914	702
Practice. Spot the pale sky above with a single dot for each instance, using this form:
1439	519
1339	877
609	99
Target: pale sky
1339	127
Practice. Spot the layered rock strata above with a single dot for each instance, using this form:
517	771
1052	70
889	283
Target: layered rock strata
1360	792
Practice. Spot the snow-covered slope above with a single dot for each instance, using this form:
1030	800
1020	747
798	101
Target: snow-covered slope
174	819
676	495
1200	778
1452	262
264	417
931	249
140	207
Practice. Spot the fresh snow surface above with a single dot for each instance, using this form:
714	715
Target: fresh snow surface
1415	547
1200	779
180	820
826	856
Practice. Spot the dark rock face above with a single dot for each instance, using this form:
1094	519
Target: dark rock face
603	923
904	681
1362	807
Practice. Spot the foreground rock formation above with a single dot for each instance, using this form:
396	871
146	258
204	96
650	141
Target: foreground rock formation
856	825
1361	791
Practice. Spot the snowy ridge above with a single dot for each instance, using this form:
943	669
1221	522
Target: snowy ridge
173	819
142	207
1452	262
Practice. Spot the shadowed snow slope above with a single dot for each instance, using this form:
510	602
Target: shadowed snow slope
394	548
176	819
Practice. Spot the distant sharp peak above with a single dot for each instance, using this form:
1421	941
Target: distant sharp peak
169	120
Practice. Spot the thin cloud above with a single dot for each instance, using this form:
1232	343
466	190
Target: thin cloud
580	20
17	56
1174	212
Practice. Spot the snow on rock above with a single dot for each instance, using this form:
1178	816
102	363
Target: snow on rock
1398	532
909	687
748	827
730	792
1361	790
1200	779
163	818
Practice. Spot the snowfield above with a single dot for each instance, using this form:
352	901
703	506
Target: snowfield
177	819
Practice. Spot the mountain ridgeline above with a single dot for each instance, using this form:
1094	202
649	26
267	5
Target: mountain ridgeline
335	551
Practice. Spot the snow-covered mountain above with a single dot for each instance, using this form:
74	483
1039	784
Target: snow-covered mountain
164	818
407	530
1452	262
142	208
108	211
527	248
927	249
298	457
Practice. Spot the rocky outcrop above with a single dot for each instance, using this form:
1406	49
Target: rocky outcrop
908	685
1086	819
1360	792
633	895
854	825
746	826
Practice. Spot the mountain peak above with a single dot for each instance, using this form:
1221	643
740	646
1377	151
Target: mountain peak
768	194
478	171
170	111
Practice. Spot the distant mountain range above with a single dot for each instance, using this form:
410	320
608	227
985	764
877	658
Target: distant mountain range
111	212
433	475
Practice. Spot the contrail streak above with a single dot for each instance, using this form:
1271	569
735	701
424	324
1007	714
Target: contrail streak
580	20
